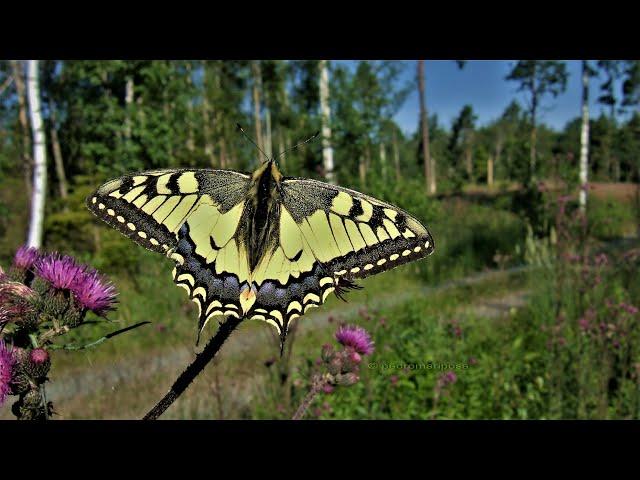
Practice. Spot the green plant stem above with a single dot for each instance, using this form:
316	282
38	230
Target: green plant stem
306	403
194	369
100	340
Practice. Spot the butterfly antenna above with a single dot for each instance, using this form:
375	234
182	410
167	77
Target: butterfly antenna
251	140
313	137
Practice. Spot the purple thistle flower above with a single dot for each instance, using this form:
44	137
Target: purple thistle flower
59	270
7	362
26	257
356	338
94	292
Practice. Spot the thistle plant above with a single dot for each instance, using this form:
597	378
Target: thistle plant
338	367
42	298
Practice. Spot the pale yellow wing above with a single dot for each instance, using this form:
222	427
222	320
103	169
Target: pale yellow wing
192	217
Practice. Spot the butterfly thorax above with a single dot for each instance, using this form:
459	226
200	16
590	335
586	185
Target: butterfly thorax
261	214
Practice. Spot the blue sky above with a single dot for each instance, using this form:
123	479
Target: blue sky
481	84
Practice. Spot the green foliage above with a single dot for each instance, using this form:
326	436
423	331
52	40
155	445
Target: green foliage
468	237
610	218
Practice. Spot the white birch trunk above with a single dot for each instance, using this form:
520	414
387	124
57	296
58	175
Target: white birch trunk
39	157
325	112
128	101
584	138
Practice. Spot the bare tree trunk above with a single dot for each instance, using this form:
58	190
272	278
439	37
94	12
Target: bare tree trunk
128	102
498	152
584	138
396	154
325	115
383	161
191	143
534	129
490	171
281	147
367	160
257	106
362	171
39	156
223	153
424	120
206	119
167	107
57	154
233	155
18	75
268	141
468	160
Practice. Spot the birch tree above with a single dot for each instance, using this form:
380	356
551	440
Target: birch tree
325	114
39	157
584	137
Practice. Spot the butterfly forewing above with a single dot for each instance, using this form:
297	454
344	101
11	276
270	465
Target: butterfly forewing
352	234
192	217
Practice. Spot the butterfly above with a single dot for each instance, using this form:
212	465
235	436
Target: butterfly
259	246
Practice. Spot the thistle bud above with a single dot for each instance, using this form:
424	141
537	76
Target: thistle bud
327	352
20	382
355	357
347	379
38	364
56	303
327	389
74	315
40	285
335	366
